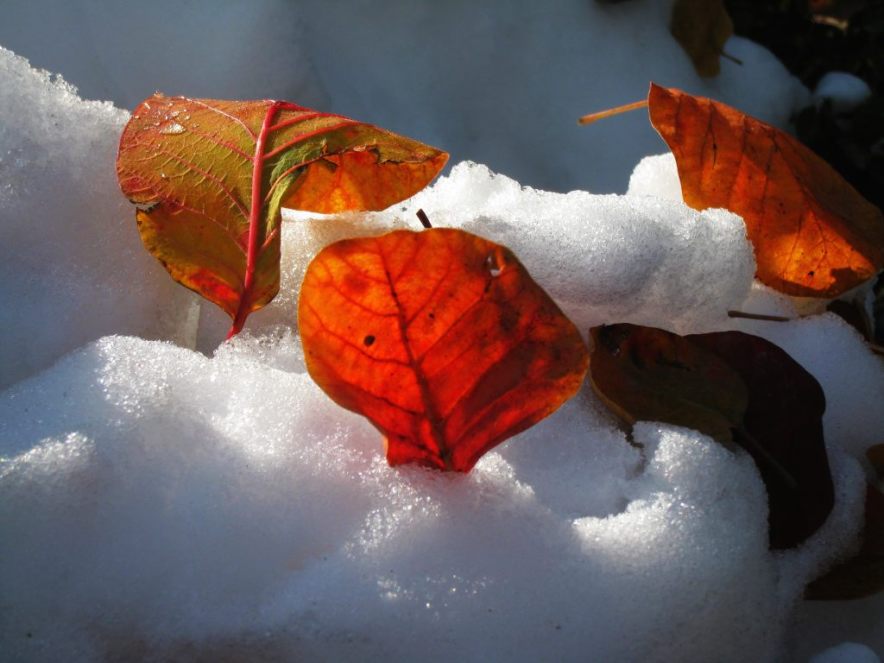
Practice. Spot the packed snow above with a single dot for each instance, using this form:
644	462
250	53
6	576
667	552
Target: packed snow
168	496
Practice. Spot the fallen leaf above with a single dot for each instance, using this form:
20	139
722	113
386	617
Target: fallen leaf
208	178
783	432
701	27
440	338
813	234
733	387
643	373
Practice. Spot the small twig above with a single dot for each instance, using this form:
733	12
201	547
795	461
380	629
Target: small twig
757	316
728	56
625	108
424	219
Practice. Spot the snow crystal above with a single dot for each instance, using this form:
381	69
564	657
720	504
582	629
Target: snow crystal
74	268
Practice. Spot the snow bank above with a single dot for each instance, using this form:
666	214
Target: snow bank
169	503
602	258
72	268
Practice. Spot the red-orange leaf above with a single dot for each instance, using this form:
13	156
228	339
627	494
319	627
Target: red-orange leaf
209	178
814	234
440	338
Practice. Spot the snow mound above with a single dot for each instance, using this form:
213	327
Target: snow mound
845	91
74	267
602	258
171	505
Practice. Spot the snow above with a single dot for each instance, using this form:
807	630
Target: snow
171	501
847	652
73	268
166	496
844	90
602	258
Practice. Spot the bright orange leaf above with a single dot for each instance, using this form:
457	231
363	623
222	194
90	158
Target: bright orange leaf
209	178
440	338
814	234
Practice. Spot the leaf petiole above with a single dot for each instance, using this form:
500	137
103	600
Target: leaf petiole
601	115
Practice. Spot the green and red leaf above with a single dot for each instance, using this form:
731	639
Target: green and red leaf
209	178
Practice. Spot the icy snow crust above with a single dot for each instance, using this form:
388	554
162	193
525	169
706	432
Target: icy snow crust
158	504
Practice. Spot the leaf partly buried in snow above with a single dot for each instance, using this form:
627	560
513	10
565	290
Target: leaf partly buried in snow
814	234
440	338
209	178
701	27
782	430
643	373
732	387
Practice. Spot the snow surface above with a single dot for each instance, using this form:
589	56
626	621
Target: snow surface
844	90
72	268
160	504
847	652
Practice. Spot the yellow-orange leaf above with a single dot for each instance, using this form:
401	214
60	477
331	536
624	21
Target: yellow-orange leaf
440	338
701	27
814	234
209	178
